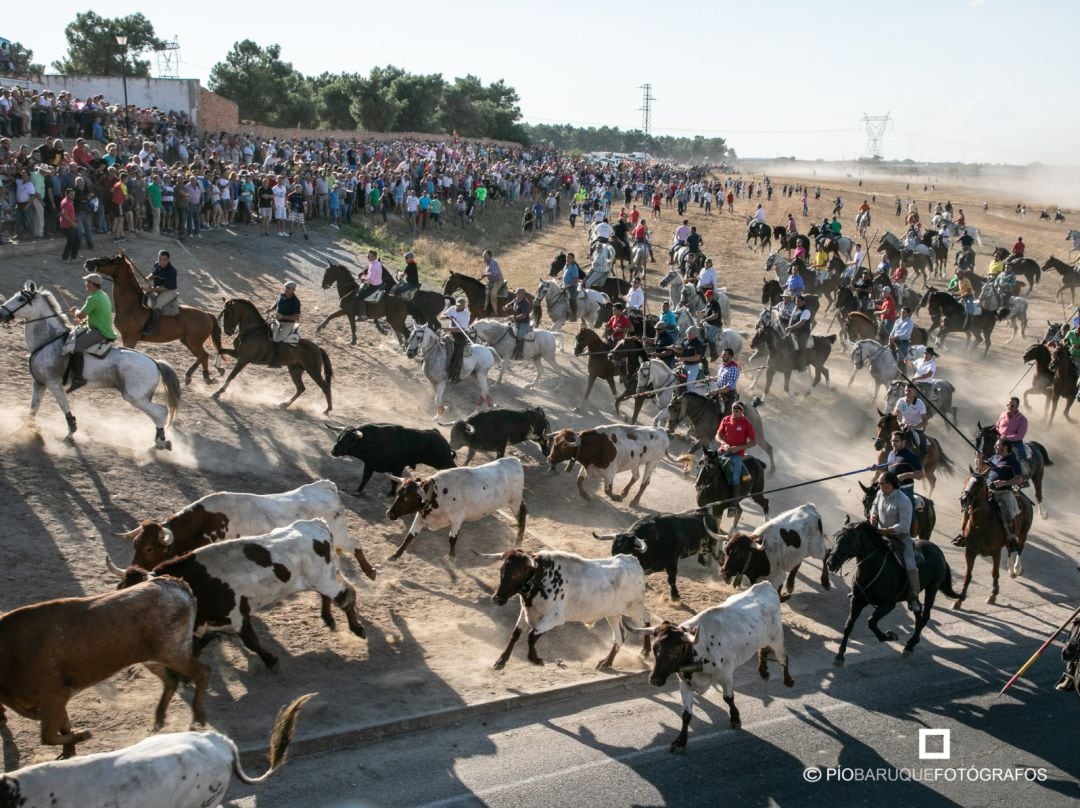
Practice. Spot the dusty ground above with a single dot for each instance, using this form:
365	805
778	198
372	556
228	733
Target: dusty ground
433	631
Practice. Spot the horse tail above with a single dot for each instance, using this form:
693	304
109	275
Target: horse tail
215	334
944	461
946	581
172	388
1042	450
328	369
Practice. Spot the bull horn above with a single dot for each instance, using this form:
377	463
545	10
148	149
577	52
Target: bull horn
115	570
641	546
640	631
470	429
398	480
334	428
865	488
167	537
721	535
443	423
128	535
604	536
573	440
487	555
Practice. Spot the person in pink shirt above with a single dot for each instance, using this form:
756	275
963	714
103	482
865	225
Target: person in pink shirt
1013	425
375	278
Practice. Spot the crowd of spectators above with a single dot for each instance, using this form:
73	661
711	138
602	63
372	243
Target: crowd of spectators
159	175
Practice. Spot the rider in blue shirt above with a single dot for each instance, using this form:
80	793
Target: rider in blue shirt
570	278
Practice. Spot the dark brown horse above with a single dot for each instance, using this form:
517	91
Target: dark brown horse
1044	377
982	532
1064	383
603	365
253	346
393	308
1070	276
193	327
1028	267
933	458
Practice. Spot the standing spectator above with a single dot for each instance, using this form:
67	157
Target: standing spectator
266	206
69	226
117	198
153	194
280	205
297	201
195	196
436	211
180	196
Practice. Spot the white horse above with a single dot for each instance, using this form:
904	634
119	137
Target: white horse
552	293
477	362
656	375
878	358
639	255
603	262
131	372
1074	237
542	347
675	285
990	300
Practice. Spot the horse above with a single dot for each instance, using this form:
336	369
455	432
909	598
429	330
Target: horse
713	486
772	293
1059	216
926	514
601	365
947	316
434	356
589	305
759	232
878	358
393	308
1074	237
1035	467
542	347
1044	377
131	372
941	391
476	293
920	259
982	533
1064	384
823	282
674	283
862	224
931	458
780	235
639	256
1028	267
253	346
783	355
192	326
880	580
990	299
941	256
1070	276
654	380
796	240
704	414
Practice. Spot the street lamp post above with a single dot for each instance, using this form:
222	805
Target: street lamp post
122	42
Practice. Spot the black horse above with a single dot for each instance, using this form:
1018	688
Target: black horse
713	485
926	517
795	241
1028	267
394	309
947	316
1036	465
759	232
772	292
784	357
880	580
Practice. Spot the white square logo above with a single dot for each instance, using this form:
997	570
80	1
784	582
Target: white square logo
946	742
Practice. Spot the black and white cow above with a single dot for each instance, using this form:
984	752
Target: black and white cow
390	449
492	430
557	588
659	541
233	579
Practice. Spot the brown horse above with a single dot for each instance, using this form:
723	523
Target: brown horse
1064	384
1070	276
253	346
1044	377
933	458
859	326
192	326
603	366
982	533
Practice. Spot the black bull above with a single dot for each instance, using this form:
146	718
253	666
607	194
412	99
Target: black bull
493	430
661	540
389	449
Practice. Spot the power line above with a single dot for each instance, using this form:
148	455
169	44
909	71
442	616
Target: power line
646	107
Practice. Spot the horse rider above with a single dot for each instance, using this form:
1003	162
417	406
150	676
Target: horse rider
460	319
1004	284
635	299
735	435
618	326
910	412
571	280
821	259
1072	343
694	242
838	206
901	334
706	281
285	319
863	287
1004	475
713	320
679	239
161	289
784	310
667	315
792	227
664	343
864	208
795	283
494	278
641	236
97	314
798	327
759	214
375	278
891	514
1018	249
835	227
727	379
409	280
886	312
690	268
692	352
602	233
924	371
904	463
1012	425
521	320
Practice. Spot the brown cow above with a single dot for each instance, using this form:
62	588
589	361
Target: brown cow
604	451
50	651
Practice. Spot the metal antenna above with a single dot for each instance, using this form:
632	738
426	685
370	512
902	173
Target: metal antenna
168	60
646	107
875	135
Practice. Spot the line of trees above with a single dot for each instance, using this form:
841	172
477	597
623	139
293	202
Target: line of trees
609	138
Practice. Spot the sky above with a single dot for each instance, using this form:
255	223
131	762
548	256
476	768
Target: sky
962	80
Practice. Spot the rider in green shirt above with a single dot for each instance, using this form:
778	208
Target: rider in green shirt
1072	342
97	314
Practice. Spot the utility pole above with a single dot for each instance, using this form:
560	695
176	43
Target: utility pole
122	41
646	107
875	135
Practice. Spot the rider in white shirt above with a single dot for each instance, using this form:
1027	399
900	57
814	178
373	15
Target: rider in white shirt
603	231
759	214
925	368
707	277
635	298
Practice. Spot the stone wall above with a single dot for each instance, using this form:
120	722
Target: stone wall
180	95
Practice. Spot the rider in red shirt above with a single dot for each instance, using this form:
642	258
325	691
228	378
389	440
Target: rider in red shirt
1018	247
619	326
641	232
735	435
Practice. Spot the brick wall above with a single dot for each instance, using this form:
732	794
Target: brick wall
218	114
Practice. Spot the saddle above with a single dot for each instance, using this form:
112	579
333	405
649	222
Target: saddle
725	467
530	336
101	350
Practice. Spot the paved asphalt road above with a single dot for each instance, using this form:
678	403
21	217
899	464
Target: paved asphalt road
612	749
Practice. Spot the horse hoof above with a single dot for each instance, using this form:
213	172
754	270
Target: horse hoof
906	652
838	662
956	604
991	599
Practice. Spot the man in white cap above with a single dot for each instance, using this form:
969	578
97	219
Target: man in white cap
97	315
285	321
460	319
